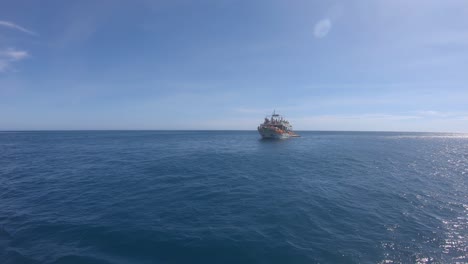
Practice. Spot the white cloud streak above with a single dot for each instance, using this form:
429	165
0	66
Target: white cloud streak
10	55
13	54
12	25
322	28
424	121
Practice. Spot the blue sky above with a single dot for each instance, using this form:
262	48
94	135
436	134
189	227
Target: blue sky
389	65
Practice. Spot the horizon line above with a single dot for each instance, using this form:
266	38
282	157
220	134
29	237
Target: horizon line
215	130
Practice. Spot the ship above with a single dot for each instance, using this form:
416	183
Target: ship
276	127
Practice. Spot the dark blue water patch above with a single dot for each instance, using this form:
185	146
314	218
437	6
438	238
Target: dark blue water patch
229	197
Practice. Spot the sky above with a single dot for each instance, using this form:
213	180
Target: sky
383	65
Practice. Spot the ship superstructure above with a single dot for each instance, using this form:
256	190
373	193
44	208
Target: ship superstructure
275	126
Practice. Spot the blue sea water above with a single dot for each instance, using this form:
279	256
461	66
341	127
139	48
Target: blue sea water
229	197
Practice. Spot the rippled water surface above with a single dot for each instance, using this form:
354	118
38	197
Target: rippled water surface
229	197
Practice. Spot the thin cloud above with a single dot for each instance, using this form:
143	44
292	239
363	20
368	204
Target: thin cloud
322	28
4	65
410	121
13	54
9	56
17	27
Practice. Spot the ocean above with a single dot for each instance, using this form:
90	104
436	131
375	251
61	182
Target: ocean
230	197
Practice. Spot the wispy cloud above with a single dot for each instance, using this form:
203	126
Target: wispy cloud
10	55
410	121
3	65
442	114
13	54
322	28
12	25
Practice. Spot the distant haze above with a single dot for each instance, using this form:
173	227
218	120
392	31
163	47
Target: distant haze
325	65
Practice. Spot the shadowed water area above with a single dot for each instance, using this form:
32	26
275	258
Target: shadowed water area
230	197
